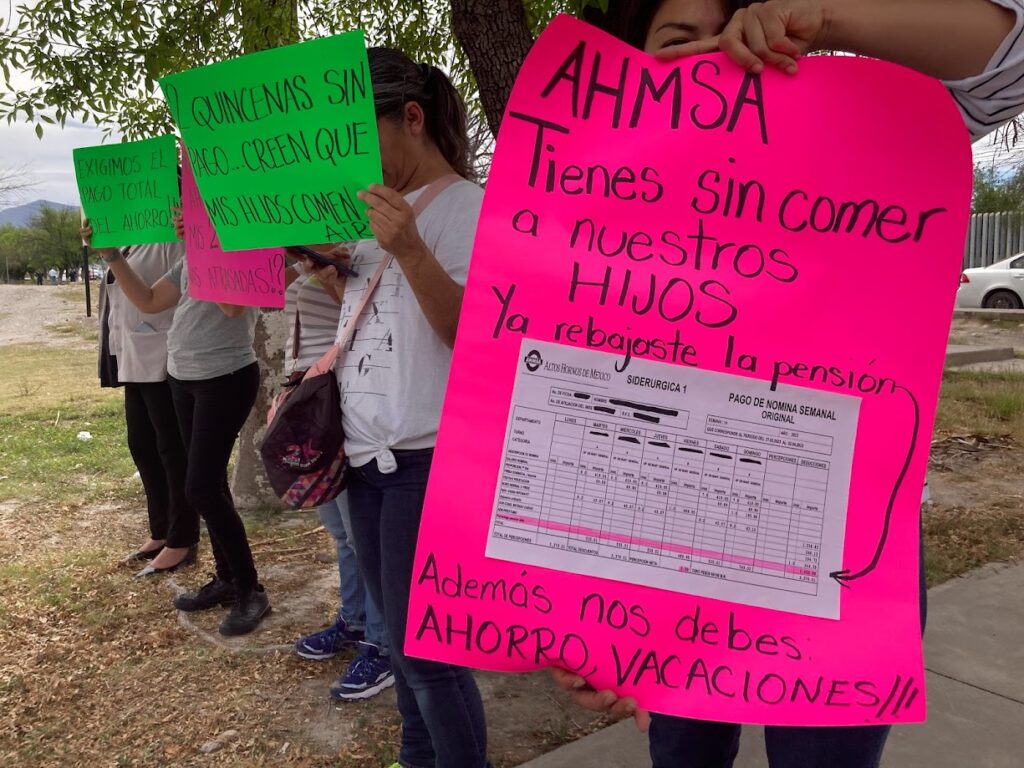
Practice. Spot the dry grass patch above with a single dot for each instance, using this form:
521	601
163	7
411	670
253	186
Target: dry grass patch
95	668
78	328
49	378
958	540
977	457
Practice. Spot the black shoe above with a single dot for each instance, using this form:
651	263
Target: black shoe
215	592
246	614
189	559
143	555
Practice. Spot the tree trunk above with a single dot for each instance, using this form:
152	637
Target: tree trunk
250	485
265	24
496	38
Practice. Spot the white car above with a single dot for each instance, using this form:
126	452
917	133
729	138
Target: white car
999	286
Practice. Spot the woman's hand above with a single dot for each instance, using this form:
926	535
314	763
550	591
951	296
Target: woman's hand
775	33
393	223
86	233
600	701
179	222
328	276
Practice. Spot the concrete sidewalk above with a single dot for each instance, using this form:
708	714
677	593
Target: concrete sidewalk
959	354
974	651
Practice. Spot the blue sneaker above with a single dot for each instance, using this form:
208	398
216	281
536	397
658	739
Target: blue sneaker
328	643
367	675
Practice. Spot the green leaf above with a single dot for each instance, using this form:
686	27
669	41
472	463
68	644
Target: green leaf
39	130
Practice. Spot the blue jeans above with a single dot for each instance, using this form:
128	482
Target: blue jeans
678	742
442	714
358	610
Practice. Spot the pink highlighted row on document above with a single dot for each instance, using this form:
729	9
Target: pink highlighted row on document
663	545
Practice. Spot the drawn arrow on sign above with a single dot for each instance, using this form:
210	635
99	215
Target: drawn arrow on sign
844	577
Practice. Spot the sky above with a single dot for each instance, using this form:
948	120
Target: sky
47	160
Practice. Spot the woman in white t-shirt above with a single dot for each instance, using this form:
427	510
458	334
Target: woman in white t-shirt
393	375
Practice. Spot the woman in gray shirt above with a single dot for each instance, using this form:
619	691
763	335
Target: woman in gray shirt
213	375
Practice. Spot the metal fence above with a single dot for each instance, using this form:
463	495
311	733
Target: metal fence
993	237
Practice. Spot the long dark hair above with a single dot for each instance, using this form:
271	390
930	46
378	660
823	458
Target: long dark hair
629	20
397	80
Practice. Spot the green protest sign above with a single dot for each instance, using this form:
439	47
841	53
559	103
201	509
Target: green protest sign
281	141
127	191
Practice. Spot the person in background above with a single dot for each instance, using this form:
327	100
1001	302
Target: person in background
392	378
214	377
133	354
981	59
312	311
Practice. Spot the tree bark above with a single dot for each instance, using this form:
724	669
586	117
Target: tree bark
496	38
265	24
250	485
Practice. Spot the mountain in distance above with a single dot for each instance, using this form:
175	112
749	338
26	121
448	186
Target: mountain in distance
21	215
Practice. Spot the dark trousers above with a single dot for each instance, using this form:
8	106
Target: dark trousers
442	714
154	440
679	742
211	412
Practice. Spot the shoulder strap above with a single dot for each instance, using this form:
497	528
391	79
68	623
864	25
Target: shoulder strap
435	188
325	363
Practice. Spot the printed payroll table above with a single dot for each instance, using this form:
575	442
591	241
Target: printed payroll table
671	482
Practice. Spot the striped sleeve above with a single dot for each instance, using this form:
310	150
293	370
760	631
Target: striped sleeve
996	96
319	315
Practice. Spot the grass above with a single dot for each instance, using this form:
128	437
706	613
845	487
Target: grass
961	538
51	397
49	378
958	540
982	402
81	329
42	458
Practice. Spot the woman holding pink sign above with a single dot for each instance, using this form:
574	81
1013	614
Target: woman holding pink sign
213	377
133	355
981	60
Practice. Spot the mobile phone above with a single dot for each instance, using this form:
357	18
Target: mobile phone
324	261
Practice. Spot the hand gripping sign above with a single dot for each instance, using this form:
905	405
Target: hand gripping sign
688	420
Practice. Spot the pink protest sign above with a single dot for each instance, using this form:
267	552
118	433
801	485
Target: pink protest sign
248	278
688	417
